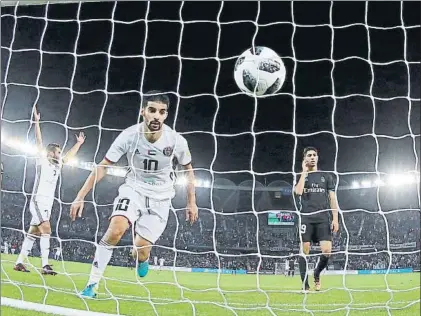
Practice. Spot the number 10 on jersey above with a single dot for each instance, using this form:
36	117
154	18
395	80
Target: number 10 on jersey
150	164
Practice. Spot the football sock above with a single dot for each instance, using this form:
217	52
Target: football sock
27	245
103	255
45	248
303	270
321	265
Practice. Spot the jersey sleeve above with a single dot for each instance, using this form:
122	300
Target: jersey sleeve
182	151
331	183
118	148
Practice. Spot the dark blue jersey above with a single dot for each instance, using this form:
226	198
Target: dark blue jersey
315	197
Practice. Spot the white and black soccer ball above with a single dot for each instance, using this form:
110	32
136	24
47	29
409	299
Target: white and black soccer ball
259	71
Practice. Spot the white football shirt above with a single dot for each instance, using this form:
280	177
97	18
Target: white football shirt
45	183
150	164
161	261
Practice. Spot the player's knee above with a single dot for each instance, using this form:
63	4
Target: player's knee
326	249
34	231
45	228
114	234
116	230
306	248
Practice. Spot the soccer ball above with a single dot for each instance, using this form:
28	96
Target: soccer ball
259	71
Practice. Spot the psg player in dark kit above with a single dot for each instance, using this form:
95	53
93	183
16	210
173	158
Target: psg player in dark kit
316	199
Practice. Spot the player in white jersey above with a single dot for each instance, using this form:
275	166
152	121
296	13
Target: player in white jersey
145	197
155	261
161	263
57	254
48	169
6	247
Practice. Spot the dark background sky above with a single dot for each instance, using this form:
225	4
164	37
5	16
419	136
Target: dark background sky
97	59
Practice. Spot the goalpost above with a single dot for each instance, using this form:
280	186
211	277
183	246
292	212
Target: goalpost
411	98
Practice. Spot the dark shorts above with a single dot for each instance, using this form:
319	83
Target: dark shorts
316	232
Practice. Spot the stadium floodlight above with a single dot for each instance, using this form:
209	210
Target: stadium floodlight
400	179
379	182
73	162
355	185
366	183
26	147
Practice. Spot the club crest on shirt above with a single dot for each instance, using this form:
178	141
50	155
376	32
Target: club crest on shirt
167	151
323	179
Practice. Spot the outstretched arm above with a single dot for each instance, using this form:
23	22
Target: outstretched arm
80	139
96	175
38	136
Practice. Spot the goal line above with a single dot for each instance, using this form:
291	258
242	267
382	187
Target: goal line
50	309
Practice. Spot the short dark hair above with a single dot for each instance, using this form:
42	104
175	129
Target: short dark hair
52	147
155	96
309	148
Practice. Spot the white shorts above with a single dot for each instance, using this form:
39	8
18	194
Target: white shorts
40	211
149	216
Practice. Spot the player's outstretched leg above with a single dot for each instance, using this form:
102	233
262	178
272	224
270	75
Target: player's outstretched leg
141	252
302	262
149	227
27	245
45	230
326	247
116	229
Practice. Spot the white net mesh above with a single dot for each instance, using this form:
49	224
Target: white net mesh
352	90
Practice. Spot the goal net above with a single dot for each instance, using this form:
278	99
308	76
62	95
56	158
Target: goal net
351	90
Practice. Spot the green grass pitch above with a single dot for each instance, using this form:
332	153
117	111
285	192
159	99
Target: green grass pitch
167	293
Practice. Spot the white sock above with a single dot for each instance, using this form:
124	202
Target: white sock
45	248
27	245
103	254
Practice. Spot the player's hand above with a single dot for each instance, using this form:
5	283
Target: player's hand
335	226
304	166
80	138
192	213
76	208
37	115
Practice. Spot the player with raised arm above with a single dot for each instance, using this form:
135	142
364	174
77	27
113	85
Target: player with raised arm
316	197
144	199
48	169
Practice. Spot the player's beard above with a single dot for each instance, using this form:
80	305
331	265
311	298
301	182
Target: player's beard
154	126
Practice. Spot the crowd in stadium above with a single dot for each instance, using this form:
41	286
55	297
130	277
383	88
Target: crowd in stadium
217	238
